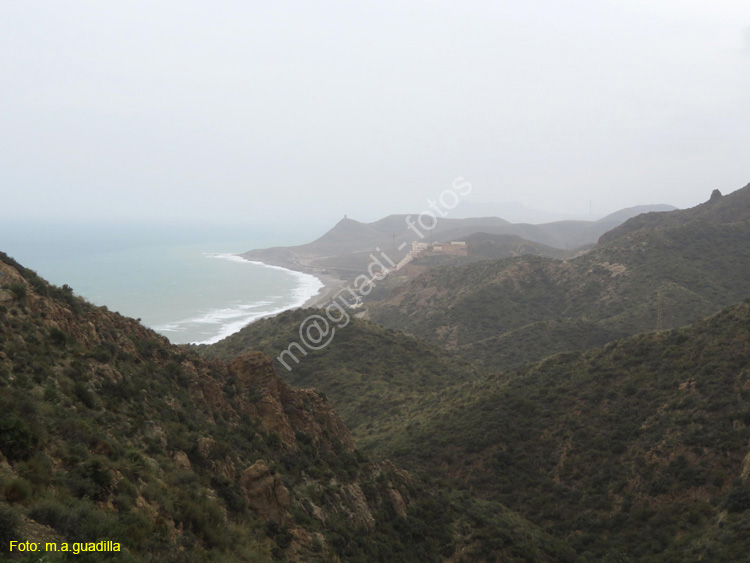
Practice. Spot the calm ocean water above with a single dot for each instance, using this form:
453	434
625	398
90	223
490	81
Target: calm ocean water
187	290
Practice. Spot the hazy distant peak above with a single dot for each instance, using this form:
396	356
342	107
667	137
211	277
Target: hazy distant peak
627	213
347	222
511	211
730	208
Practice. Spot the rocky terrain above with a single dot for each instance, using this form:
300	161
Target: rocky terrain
108	432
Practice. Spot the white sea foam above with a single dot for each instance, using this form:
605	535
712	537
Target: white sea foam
309	285
232	319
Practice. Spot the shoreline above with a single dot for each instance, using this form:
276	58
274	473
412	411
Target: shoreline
329	283
325	283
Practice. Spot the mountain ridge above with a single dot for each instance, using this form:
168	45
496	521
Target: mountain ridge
732	207
346	248
687	269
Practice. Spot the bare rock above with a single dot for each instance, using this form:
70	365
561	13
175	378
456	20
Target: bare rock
224	467
181	461
399	506
283	409
265	492
360	513
745	474
205	445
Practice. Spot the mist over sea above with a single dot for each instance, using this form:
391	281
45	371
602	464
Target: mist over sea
184	282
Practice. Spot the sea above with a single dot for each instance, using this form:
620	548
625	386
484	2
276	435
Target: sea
185	282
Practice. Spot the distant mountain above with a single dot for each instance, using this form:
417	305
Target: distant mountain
516	212
635	451
612	220
681	266
513	211
345	250
108	432
733	208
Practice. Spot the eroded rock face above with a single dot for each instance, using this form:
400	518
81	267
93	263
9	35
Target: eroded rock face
398	502
359	513
265	492
745	475
283	409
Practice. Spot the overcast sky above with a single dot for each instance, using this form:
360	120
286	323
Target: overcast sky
263	111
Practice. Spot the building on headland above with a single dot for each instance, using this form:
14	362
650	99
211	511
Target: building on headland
457	247
454	248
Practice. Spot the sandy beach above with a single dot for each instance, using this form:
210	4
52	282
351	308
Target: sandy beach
331	285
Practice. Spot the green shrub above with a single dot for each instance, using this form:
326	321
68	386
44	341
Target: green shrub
77	520
18	490
91	479
83	394
50	513
37	470
103	352
18	290
230	493
57	337
17	440
738	499
9	522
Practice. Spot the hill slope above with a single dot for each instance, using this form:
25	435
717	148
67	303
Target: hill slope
689	267
108	432
635	450
718	209
369	372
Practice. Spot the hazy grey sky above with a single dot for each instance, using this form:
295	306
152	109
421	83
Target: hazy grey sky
266	110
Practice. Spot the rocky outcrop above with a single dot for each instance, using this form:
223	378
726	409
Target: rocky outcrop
745	473
181	461
265	492
399	506
283	409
